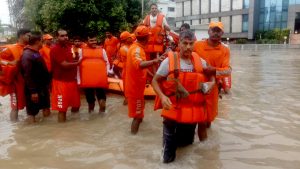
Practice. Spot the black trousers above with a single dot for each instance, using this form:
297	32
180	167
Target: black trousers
90	94
43	101
176	135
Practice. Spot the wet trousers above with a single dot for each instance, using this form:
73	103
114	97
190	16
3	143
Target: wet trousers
90	94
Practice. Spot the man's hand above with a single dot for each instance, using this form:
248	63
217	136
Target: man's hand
159	59
166	102
206	87
35	98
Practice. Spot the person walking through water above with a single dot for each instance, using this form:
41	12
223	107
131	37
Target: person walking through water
180	85
65	92
12	54
135	77
217	55
36	76
94	69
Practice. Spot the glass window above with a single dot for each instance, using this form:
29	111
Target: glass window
283	25
266	26
171	9
245	4
278	25
261	26
245	23
261	18
272	25
278	17
272	16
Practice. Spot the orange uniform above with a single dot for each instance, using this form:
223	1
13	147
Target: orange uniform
217	57
45	53
135	80
14	53
111	48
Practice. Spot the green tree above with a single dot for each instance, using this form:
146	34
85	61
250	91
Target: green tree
81	17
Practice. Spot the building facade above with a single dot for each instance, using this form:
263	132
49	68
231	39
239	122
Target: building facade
241	18
167	7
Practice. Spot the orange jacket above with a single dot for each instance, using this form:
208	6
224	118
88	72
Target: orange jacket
93	71
190	109
217	57
13	53
120	61
135	76
45	53
156	39
111	47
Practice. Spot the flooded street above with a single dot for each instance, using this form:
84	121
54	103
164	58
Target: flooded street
258	127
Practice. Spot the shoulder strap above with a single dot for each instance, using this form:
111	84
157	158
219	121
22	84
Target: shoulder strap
174	64
159	20
197	62
147	20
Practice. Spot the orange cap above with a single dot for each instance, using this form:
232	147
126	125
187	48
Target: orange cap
47	37
213	24
142	31
124	35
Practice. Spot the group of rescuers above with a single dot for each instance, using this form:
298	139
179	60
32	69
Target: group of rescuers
187	79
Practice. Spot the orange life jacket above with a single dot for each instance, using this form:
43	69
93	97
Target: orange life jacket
45	53
190	109
9	72
93	73
156	39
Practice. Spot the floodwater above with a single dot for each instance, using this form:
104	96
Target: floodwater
258	127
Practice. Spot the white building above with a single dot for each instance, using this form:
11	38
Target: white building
168	8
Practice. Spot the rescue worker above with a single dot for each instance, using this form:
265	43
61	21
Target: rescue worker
158	25
93	53
111	46
217	55
120	61
76	48
135	77
45	50
126	42
11	56
65	92
180	84
36	76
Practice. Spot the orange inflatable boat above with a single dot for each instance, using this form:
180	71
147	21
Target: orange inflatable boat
116	86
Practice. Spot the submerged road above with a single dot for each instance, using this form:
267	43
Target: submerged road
258	127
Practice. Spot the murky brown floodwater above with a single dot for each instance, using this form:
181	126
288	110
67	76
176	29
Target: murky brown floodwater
258	128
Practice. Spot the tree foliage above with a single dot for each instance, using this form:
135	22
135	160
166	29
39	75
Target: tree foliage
81	17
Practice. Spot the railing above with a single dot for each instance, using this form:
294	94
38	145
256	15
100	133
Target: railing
256	47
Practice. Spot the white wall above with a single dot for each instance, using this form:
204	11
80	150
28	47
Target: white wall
214	19
237	24
201	34
204	21
204	6
214	6
237	4
187	8
178	9
226	22
195	22
163	7
225	5
195	7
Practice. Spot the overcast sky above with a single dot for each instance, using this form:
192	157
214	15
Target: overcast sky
4	14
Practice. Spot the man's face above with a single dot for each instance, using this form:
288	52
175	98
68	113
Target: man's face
129	40
186	47
92	42
25	37
215	34
154	10
48	42
182	29
63	36
77	43
108	34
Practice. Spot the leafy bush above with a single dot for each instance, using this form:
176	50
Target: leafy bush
241	41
